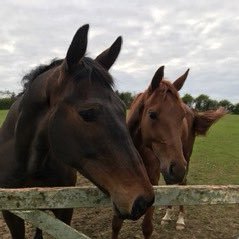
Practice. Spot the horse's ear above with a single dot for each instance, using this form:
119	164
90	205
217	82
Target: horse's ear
77	47
178	84
108	57
158	76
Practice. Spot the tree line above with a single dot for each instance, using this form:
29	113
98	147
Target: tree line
204	102
200	103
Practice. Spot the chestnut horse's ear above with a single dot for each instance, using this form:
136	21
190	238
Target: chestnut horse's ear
178	84
108	57
158	76
77	47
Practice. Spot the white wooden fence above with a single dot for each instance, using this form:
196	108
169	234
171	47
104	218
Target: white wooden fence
26	203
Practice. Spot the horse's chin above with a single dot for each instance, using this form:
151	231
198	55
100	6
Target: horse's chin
124	216
169	181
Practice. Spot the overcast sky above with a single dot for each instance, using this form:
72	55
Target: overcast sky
200	35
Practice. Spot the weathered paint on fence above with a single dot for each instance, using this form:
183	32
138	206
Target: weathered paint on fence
46	198
50	225
196	195
75	197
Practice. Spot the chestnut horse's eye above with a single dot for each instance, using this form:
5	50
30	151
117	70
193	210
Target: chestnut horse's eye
153	115
88	115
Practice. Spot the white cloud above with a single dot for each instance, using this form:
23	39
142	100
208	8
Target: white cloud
9	47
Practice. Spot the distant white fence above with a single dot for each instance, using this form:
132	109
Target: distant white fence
26	203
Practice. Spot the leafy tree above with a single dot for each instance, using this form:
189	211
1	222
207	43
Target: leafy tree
212	104
6	99
236	109
188	99
126	97
201	102
226	104
5	103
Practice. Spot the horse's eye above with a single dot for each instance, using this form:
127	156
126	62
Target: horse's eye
153	115
88	115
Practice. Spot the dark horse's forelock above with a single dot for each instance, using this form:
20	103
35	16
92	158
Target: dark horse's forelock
88	64
165	87
96	72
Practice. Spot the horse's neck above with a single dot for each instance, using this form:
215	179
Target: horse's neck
33	108
137	137
12	173
134	120
188	135
8	127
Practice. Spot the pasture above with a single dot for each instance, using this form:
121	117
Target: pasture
3	114
215	160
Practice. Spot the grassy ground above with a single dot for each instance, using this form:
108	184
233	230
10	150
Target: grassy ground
3	114
215	160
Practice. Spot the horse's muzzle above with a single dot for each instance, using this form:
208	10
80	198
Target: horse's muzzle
139	208
174	174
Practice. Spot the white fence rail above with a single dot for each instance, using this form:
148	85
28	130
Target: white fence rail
26	202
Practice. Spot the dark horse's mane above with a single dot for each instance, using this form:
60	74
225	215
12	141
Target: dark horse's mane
87	64
38	70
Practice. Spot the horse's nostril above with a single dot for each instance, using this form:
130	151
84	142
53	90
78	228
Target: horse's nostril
171	170
175	173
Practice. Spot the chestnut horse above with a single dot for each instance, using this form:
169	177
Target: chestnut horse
69	119
163	130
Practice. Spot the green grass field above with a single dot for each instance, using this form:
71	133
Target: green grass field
215	158
3	114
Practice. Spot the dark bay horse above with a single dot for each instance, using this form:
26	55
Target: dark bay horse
69	119
163	130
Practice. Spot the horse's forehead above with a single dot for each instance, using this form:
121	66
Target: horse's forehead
95	93
84	87
157	99
165	101
102	94
157	96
